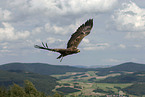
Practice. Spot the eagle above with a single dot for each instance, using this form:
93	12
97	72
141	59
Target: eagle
74	41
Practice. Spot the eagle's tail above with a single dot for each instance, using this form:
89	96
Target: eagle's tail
45	47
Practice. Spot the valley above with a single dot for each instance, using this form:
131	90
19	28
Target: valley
86	85
123	80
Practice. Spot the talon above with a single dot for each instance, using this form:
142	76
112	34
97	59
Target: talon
61	59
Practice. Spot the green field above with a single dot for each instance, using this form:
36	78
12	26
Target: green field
80	81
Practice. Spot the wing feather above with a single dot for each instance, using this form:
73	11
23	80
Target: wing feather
81	32
46	48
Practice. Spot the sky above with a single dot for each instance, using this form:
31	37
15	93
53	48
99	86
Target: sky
117	36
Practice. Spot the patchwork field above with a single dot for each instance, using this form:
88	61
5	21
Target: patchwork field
85	85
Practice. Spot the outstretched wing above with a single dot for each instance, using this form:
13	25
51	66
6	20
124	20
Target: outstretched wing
81	32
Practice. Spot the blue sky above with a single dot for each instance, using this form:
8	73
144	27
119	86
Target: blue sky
118	34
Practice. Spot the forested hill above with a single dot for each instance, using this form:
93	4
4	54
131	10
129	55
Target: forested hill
47	69
42	68
44	83
127	67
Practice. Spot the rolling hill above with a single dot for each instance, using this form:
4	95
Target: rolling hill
129	66
47	69
125	67
136	89
42	68
44	83
39	75
137	77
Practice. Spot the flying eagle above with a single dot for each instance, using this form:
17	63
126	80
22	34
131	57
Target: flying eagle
74	41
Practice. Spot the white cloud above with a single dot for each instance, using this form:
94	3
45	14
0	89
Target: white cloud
137	46
99	46
90	48
55	29
5	15
112	60
5	51
37	30
4	47
136	35
8	32
122	46
61	30
64	7
52	40
85	41
130	18
58	8
103	44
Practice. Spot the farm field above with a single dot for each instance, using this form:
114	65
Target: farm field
86	85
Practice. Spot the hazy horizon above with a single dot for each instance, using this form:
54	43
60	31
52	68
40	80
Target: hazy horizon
79	66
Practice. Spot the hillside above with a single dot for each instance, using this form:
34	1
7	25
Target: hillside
78	81
42	68
47	69
129	66
126	78
136	89
125	67
43	83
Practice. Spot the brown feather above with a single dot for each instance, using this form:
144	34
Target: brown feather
46	48
81	32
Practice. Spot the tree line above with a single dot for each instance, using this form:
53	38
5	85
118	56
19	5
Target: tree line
28	90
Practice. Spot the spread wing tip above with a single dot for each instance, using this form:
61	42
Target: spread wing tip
89	22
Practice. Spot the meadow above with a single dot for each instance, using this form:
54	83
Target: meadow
87	85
